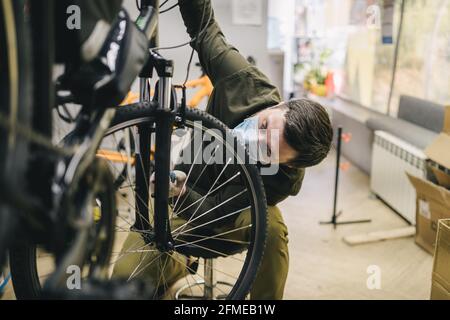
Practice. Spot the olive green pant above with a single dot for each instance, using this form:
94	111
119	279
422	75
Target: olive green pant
162	270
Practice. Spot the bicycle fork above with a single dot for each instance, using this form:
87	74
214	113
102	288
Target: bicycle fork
161	234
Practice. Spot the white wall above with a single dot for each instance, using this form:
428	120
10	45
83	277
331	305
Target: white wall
249	40
283	18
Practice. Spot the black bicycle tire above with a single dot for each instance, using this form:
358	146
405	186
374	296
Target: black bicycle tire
124	175
136	111
14	162
23	260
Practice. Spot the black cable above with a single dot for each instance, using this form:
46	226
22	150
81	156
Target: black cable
138	6
171	47
196	39
67	117
201	31
188	68
161	5
193	39
168	9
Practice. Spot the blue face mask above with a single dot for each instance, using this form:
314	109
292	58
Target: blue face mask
247	132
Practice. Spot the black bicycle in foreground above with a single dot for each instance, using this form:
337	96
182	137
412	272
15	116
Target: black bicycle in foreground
71	203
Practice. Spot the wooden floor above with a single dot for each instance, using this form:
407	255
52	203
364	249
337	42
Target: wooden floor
322	266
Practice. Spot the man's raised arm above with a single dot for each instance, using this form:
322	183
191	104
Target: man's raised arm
218	58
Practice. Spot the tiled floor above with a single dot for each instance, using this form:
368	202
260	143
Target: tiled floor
322	266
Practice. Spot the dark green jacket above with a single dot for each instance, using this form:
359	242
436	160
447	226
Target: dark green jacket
240	89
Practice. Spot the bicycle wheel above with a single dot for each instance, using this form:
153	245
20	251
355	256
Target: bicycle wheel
94	197
198	242
15	107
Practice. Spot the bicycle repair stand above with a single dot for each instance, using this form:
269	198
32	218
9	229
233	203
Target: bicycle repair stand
336	215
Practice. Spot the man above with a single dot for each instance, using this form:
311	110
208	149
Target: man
242	94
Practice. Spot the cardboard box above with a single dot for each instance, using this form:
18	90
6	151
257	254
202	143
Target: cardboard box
439	150
432	204
440	286
438	174
433	199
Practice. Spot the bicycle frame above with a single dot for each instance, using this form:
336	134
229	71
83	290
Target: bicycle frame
91	128
88	134
44	209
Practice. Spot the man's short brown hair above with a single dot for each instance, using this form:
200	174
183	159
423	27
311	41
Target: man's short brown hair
308	131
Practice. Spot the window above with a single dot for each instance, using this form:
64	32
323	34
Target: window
366	73
423	67
363	65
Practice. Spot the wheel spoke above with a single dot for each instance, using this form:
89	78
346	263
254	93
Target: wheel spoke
222	254
206	195
136	273
189	172
194	271
215	237
196	180
220	271
210	210
134	193
191	218
128	178
183	145
126	253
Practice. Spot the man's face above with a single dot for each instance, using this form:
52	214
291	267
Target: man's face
271	122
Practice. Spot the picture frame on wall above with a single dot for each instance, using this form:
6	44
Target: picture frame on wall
247	12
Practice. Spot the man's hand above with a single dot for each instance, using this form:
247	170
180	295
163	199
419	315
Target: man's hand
176	184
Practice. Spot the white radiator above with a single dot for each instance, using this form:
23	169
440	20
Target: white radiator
391	158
